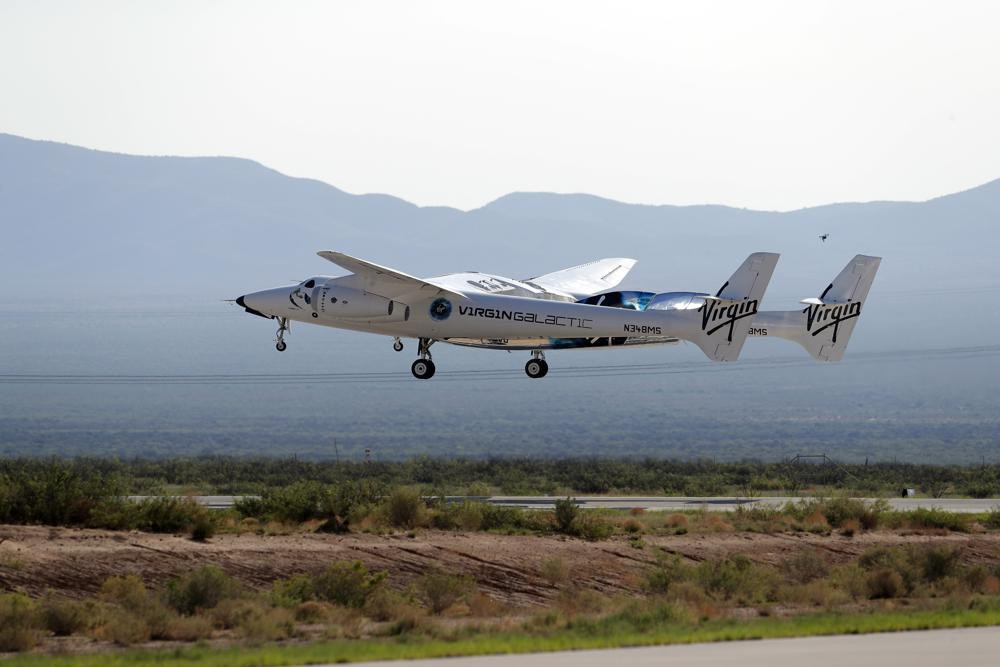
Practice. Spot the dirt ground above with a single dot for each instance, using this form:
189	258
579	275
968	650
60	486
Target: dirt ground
74	562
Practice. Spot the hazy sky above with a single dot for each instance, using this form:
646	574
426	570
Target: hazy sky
770	105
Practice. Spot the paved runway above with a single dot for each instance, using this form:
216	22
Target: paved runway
662	503
968	647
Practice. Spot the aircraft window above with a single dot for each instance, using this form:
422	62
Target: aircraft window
309	284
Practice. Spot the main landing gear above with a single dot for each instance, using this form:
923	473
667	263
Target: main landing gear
422	368
283	326
536	366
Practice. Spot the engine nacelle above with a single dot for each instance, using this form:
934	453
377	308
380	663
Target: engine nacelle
351	303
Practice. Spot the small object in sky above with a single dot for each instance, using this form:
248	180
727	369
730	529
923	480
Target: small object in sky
823	237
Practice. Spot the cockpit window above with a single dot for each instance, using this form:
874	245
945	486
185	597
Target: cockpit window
309	284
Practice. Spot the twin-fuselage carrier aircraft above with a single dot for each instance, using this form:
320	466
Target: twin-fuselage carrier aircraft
572	308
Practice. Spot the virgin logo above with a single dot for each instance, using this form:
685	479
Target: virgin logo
718	315
822	317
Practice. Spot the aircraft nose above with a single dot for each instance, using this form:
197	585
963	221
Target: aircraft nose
240	302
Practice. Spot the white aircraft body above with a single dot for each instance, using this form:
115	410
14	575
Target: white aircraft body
573	308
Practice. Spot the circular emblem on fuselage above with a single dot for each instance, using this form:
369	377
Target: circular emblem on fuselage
440	309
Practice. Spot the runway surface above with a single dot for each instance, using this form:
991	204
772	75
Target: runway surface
674	503
968	647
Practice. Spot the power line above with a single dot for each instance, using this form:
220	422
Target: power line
478	375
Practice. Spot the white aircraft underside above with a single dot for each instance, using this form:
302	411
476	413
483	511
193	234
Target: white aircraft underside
573	308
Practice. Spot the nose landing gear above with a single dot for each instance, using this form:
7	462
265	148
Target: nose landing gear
283	327
397	345
536	366
423	368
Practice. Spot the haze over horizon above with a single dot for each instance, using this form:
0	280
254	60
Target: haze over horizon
777	105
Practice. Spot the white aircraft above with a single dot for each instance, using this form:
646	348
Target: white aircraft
572	308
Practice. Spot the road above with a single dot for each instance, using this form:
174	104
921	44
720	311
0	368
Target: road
665	503
967	647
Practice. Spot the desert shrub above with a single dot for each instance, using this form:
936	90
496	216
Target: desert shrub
347	584
203	527
937	562
128	591
115	513
384	604
293	590
311	611
497	517
63	617
19	623
850	527
735	577
348	502
232	612
839	510
669	570
203	588
264	625
187	628
124	628
885	583
637	617
934	517
805	566
294	503
632	526
981	489
130	595
592	527
566	512
442	589
471	516
554	571
250	507
405	508
168	514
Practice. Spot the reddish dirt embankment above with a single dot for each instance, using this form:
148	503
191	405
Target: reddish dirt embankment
74	562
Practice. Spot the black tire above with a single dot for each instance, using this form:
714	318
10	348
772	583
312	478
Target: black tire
398	346
536	368
280	346
422	369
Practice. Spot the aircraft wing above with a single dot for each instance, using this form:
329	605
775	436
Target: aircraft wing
587	279
386	282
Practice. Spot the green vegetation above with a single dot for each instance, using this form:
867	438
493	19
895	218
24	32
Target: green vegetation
49	490
635	624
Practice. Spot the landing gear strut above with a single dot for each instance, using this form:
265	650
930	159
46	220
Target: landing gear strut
397	345
536	366
283	327
423	368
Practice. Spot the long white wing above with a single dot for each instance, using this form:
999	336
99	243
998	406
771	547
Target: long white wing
386	282
587	279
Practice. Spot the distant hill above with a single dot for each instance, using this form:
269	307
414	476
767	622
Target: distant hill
81	223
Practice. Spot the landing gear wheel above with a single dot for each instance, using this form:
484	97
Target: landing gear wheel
422	369
536	368
280	346
398	345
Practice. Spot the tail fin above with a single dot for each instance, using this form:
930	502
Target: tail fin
825	325
719	324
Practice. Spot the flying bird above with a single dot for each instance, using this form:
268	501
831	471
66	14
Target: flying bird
824	237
